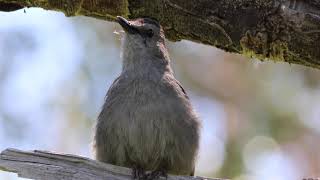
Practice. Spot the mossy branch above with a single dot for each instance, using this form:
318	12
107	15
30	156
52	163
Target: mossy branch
278	30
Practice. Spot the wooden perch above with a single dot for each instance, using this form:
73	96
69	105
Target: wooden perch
278	30
44	165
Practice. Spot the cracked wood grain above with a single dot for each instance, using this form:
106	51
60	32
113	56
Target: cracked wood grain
44	165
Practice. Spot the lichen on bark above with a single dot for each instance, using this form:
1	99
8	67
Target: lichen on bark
279	30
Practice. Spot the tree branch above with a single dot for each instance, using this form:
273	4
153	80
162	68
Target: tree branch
278	30
52	166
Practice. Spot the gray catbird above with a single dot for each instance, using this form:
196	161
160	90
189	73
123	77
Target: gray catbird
147	120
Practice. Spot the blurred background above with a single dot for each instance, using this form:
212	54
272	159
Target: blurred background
261	120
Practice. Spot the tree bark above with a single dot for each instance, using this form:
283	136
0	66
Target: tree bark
51	166
278	30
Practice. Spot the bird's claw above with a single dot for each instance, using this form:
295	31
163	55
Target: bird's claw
139	174
157	174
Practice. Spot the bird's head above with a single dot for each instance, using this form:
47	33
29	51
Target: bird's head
144	41
143	31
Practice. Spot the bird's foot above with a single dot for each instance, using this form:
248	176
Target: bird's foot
138	173
156	175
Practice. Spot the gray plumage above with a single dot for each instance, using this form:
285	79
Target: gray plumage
147	120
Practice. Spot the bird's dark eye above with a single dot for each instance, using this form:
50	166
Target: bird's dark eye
150	33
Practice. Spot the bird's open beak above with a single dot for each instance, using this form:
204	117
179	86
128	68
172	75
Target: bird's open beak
126	25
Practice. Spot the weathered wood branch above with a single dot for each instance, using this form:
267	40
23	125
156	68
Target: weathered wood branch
279	30
51	166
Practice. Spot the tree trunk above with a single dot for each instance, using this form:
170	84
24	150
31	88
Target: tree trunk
278	30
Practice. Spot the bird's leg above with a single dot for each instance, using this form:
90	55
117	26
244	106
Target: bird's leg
157	174
138	173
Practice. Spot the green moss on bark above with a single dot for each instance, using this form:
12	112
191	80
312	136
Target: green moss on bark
263	29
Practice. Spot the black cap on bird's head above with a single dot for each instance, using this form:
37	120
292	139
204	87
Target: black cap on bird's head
146	27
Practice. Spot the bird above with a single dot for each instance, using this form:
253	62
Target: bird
147	122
